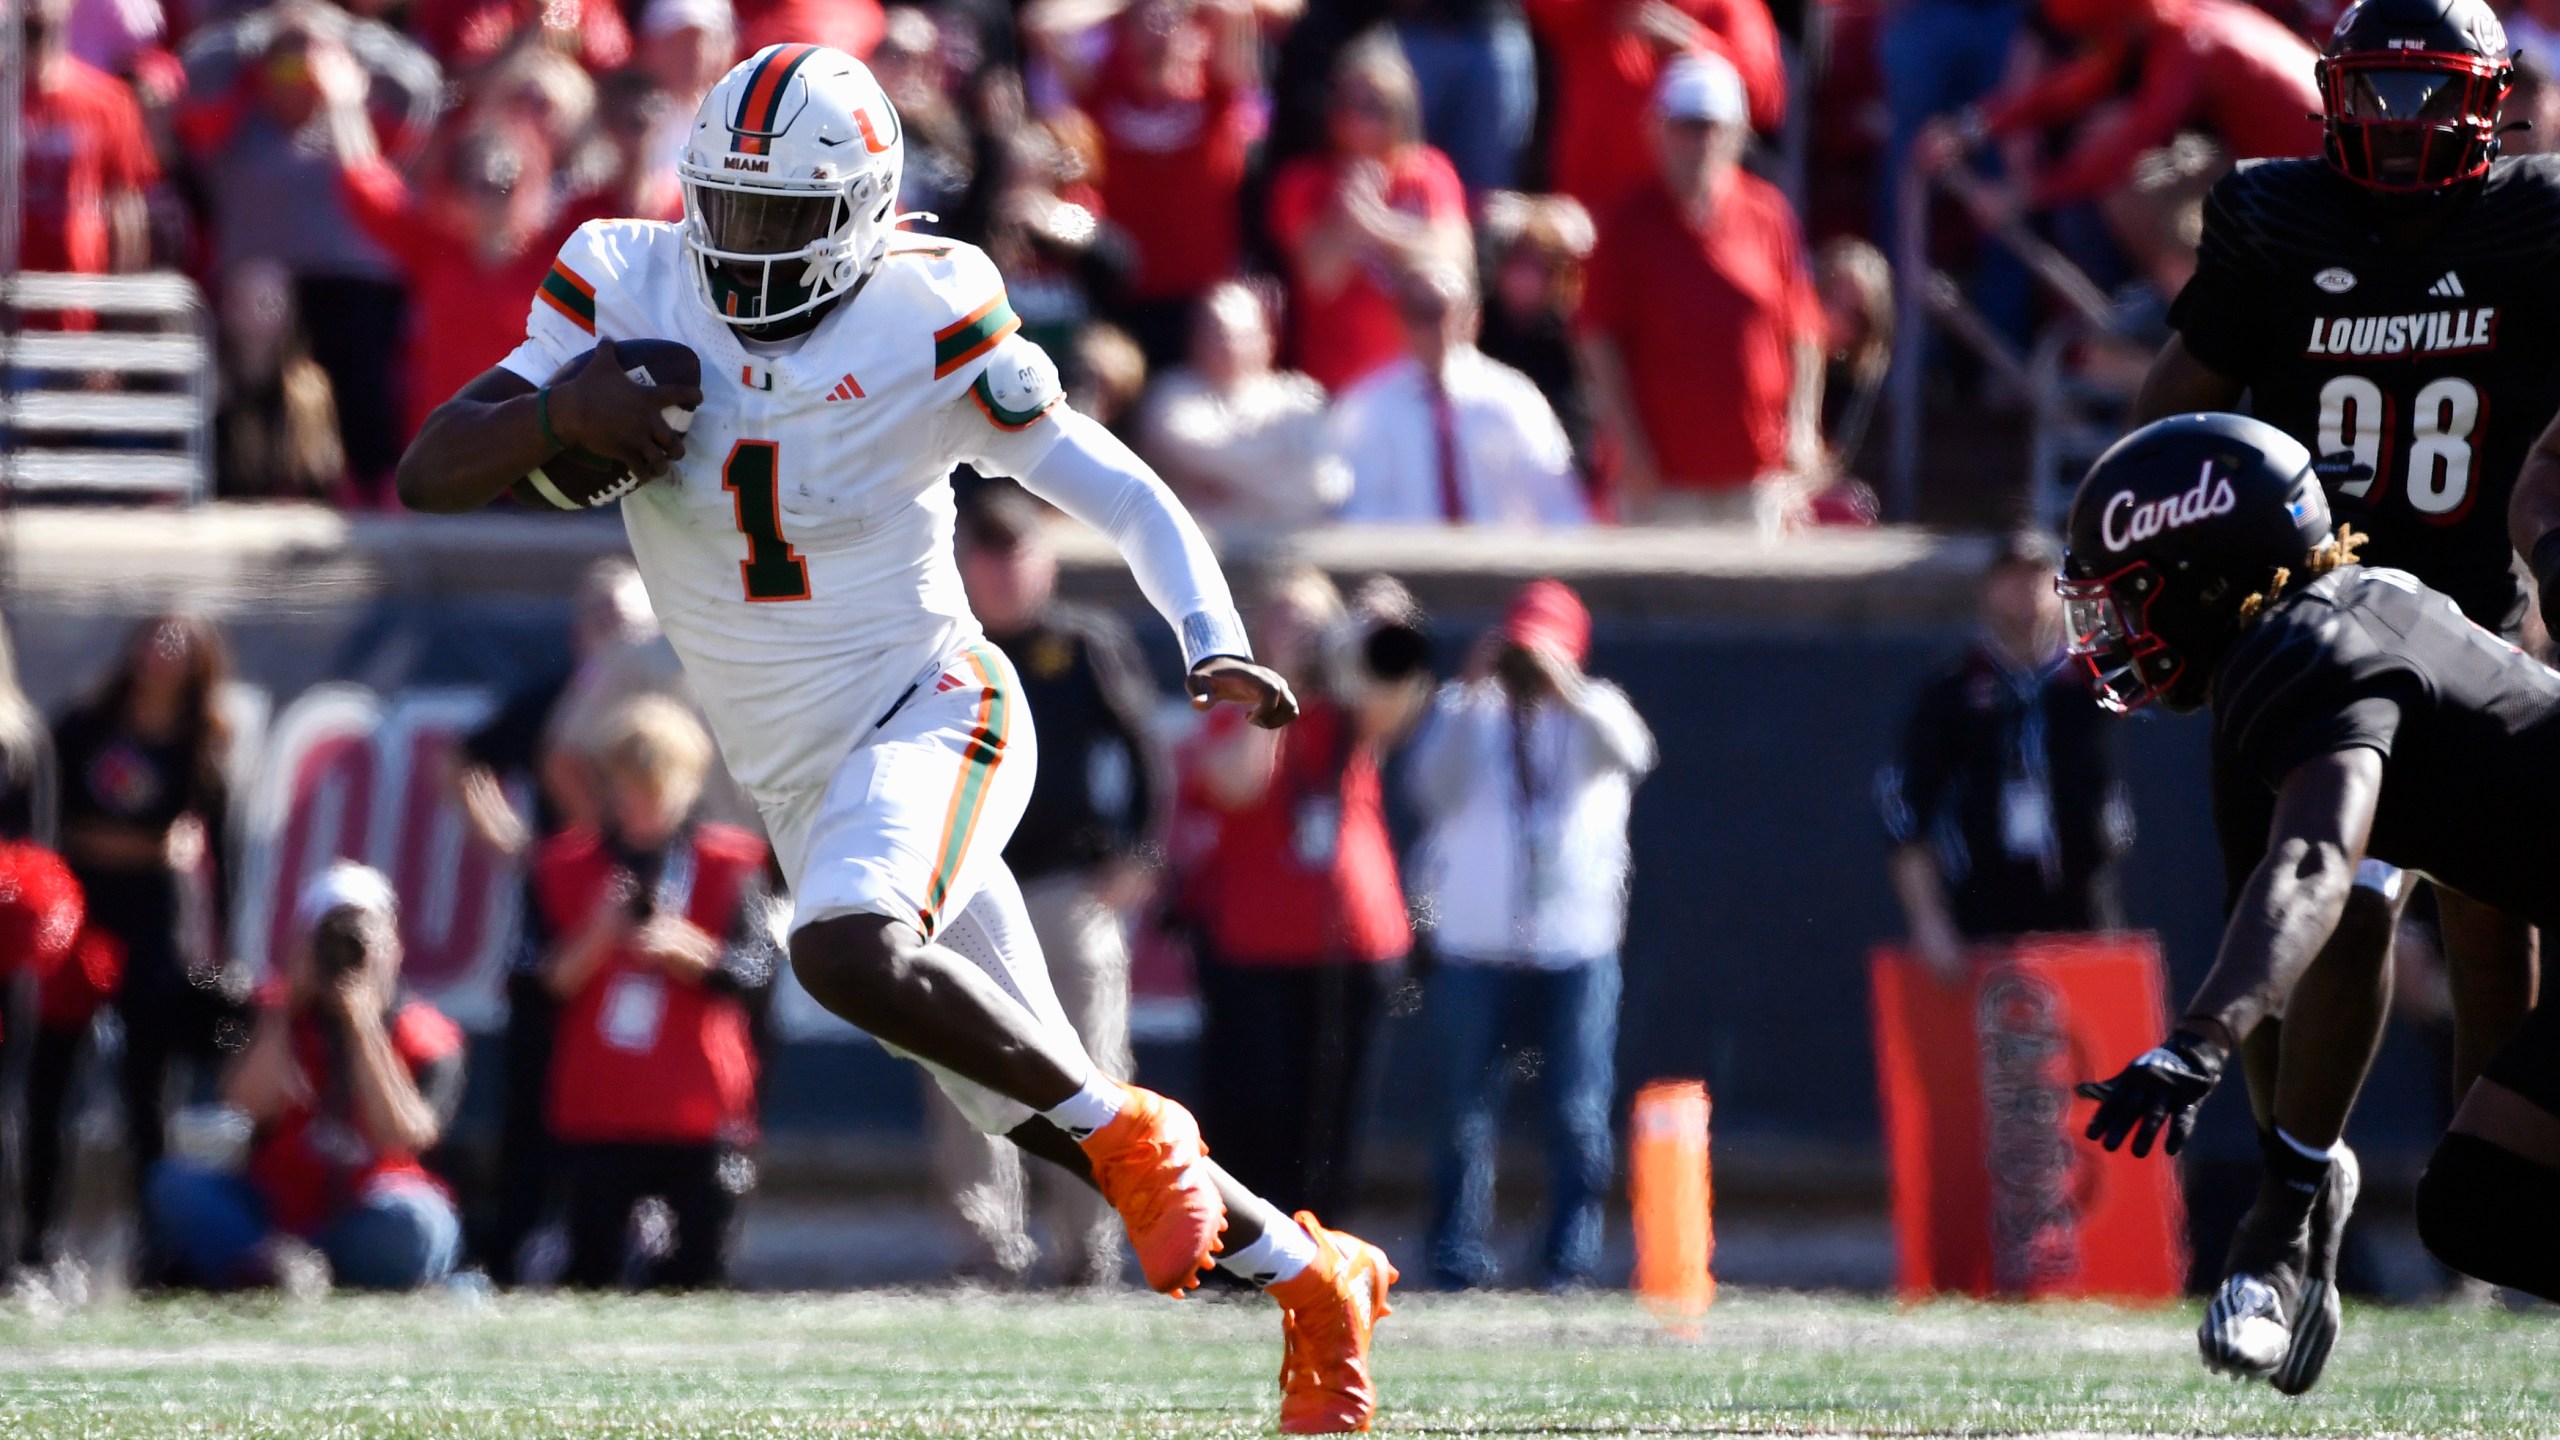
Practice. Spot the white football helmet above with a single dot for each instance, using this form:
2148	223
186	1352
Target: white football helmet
790	183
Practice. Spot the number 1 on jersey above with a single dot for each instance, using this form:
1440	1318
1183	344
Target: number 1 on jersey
752	475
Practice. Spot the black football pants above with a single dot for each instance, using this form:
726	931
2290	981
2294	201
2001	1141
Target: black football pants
2485	1210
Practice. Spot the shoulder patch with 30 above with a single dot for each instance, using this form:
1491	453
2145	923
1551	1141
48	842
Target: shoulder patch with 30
1019	385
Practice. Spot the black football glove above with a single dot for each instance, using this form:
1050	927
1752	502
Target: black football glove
2159	1090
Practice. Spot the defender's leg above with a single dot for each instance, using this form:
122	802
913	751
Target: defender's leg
2276	1314
2487	1200
2490	961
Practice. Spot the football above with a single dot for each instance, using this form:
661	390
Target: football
580	480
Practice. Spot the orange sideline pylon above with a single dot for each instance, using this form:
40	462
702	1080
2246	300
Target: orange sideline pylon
1672	1192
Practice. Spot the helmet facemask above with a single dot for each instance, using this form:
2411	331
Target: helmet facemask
2410	122
767	253
2108	620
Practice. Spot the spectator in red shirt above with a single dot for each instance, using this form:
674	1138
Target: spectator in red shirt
86	159
654	933
1354	218
348	1081
852	26
1299	917
1608	57
2222	66
1701	332
260	91
1176	95
474	236
464	35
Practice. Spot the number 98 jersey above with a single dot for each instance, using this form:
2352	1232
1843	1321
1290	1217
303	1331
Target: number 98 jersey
799	555
2418	376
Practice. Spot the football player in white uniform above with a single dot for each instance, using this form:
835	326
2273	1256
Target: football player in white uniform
796	538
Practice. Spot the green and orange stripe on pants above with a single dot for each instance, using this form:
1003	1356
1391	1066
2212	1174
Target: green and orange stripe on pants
989	727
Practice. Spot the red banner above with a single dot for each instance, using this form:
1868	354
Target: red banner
347	774
1994	1190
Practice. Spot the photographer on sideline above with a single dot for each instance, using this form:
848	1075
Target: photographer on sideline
1524	772
347	1080
1298	914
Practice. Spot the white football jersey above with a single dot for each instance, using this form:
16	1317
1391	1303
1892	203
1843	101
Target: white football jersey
799	555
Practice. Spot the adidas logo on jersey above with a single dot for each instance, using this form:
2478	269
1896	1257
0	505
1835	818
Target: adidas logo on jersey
2436	332
2447	288
846	389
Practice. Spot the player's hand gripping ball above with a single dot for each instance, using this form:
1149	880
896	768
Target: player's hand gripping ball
623	421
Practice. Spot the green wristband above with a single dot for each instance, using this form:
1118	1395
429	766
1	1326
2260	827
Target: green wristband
542	418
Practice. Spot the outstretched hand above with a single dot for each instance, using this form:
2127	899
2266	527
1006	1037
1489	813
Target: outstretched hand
2159	1091
1224	679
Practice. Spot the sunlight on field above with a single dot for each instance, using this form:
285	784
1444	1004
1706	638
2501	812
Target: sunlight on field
949	1364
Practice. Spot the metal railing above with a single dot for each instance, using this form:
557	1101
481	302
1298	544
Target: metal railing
125	412
2069	417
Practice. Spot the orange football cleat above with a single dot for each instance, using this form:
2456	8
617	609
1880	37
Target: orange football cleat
1148	1163
1327	1312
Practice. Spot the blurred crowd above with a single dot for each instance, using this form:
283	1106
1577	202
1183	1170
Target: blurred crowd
1441	839
1318	260
1527	262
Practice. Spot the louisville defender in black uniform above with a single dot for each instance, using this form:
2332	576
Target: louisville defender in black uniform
2394	306
2356	715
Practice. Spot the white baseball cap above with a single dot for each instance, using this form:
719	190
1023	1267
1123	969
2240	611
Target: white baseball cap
1702	85
345	885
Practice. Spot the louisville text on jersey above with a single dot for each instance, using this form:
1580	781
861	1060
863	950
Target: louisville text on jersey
2434	332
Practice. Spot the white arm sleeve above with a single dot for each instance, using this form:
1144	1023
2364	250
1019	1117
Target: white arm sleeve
1072	462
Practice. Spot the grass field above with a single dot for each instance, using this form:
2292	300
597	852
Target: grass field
946	1364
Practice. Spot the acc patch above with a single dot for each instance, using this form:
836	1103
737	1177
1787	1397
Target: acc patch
2337	280
1019	384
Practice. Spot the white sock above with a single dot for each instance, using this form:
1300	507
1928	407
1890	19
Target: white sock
1089	1109
1278	1254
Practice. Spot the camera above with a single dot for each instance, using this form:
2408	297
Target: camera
1383	641
338	946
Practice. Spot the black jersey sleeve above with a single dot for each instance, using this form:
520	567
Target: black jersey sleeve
2219	314
2305	681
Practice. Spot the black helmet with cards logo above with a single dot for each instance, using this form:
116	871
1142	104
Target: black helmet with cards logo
2175	525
